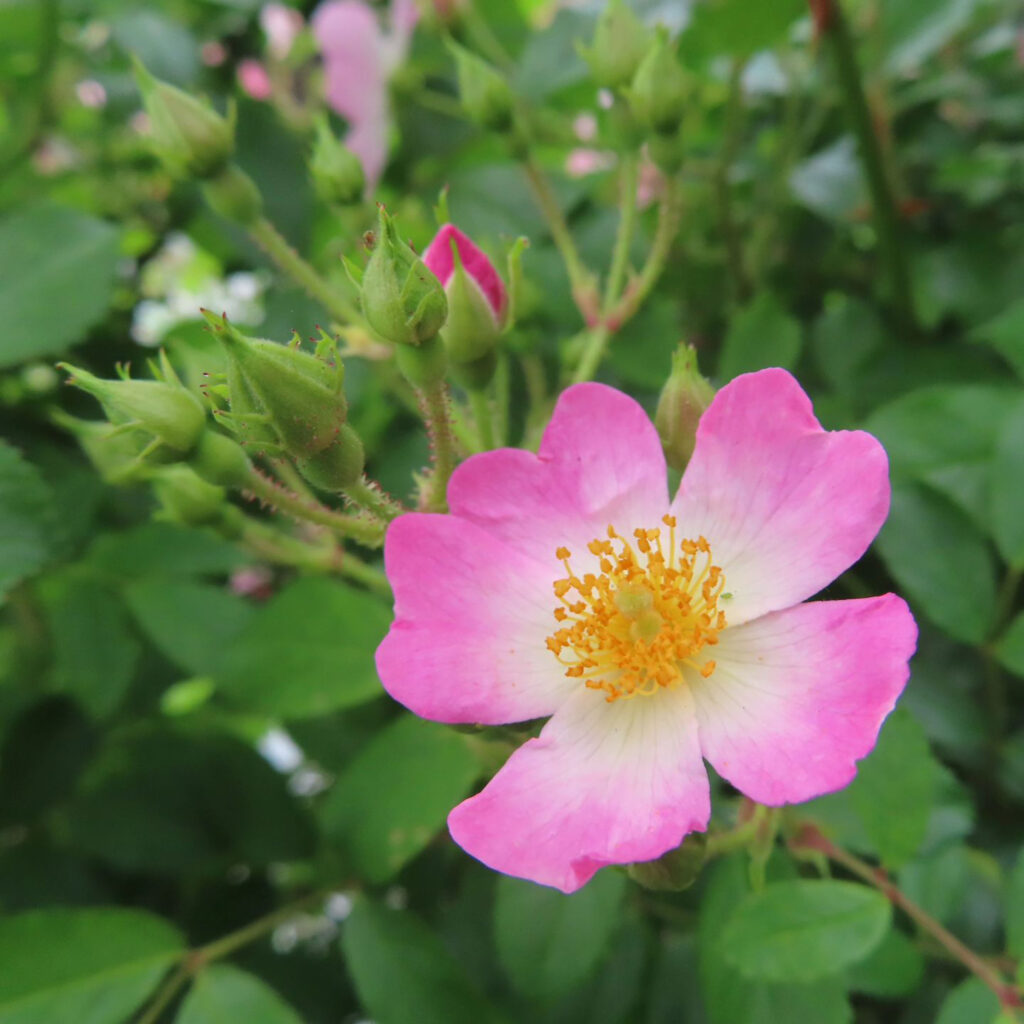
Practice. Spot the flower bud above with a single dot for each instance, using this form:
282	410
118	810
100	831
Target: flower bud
113	452
658	93
673	871
189	136
221	461
163	409
477	300
338	466
186	498
486	97
682	402
337	173
403	301
298	395
424	364
620	42
234	195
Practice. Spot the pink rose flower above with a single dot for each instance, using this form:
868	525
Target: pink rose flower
440	262
254	79
359	59
654	633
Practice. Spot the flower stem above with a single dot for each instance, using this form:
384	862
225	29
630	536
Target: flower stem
193	961
365	531
371	497
810	838
624	235
480	403
722	185
303	273
439	425
836	33
580	279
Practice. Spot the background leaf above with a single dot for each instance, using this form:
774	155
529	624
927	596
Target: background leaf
25	512
223	994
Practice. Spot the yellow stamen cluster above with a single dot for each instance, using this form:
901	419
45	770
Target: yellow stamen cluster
631	629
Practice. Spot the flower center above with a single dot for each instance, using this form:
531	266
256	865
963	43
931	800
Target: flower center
631	629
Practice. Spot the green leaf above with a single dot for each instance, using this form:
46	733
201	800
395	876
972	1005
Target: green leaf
57	270
1005	333
94	651
895	817
938	883
45	750
830	182
941	561
1007	488
846	334
1010	649
191	623
893	970
162	549
91	966
971	1002
403	973
164	802
549	942
307	651
946	437
26	508
803	930
729	996
226	995
1015	910
761	334
385	808
737	28
914	30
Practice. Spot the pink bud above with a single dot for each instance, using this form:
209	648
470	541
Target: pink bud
254	80
280	25
441	262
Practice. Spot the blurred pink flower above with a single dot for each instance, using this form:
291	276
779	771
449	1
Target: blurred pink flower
656	633
213	53
359	59
582	162
280	25
254	79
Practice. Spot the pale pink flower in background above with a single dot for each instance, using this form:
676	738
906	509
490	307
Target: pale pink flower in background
281	25
584	126
654	632
580	163
254	79
440	261
91	93
213	53
359	59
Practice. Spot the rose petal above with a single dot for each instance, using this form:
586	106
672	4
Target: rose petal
441	262
471	619
600	464
602	784
785	505
799	695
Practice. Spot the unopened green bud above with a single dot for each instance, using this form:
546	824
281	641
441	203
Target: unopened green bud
338	466
299	395
234	195
163	409
113	451
673	871
620	42
187	499
485	94
337	173
658	93
682	402
189	136
403	301
221	461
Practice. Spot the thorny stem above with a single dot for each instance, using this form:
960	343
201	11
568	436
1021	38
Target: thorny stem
438	419
365	531
194	960
836	32
810	838
302	272
370	497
